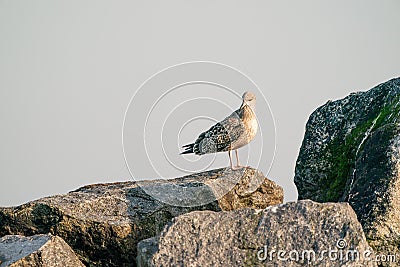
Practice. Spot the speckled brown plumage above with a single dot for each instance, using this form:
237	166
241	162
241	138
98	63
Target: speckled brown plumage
235	131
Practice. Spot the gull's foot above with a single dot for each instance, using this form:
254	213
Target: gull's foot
238	167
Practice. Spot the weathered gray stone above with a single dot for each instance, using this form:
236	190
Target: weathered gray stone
350	152
37	250
239	238
103	223
146	249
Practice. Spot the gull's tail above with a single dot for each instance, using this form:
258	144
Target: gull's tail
188	149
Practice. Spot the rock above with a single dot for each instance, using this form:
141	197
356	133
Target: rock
146	249
252	190
350	152
241	237
375	195
37	250
103	223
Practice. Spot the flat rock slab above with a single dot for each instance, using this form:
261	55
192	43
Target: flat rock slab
103	223
306	232
37	250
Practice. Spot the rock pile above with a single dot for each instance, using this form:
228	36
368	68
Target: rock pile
103	223
350	154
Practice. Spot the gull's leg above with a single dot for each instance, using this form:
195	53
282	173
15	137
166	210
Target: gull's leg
231	161
230	158
237	160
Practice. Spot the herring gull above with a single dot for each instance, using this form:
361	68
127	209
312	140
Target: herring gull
234	132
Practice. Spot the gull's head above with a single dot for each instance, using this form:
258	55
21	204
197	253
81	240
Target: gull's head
249	99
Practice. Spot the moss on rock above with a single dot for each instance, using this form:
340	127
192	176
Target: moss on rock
342	152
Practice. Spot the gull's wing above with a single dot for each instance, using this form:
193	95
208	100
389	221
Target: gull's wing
220	136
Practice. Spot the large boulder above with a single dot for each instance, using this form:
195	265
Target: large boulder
292	234
103	223
37	250
351	152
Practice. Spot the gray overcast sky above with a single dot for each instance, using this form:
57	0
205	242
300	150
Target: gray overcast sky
69	68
